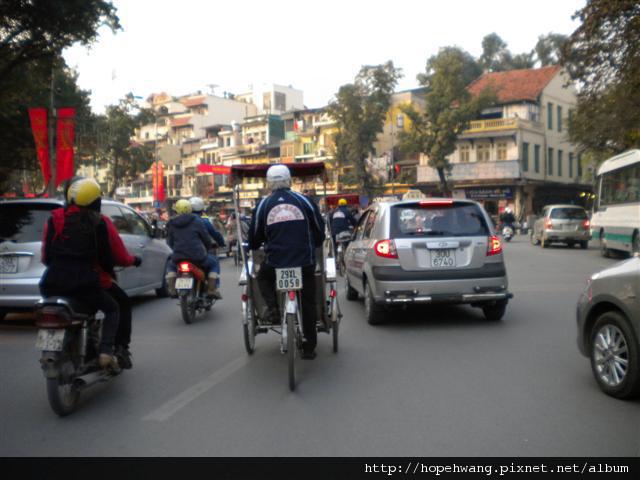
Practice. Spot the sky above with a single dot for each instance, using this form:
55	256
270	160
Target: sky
184	46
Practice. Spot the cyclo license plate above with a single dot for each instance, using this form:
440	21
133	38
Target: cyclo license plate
184	283
50	340
289	278
442	258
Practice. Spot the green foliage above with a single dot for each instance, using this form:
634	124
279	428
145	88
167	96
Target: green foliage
549	47
360	109
18	149
38	29
602	56
449	108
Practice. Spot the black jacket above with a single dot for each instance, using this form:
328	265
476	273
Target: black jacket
188	238
290	226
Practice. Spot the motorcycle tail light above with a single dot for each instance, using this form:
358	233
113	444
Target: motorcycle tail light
385	249
185	267
244	297
494	246
332	293
52	318
586	224
292	295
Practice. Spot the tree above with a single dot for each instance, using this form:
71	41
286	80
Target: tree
603	58
116	150
360	109
549	48
38	29
449	108
18	160
494	52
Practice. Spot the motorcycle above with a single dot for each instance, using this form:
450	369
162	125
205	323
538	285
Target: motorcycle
191	287
507	232
69	339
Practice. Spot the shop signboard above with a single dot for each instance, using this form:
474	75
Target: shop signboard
489	193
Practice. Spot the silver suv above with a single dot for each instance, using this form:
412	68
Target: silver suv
21	226
562	223
438	250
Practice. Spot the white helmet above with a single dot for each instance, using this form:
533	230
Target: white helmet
197	204
508	210
278	176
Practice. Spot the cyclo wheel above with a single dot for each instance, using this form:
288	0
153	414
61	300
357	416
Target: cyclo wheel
291	349
334	334
249	327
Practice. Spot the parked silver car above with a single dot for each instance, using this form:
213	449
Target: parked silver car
562	223
609	327
427	251
21	226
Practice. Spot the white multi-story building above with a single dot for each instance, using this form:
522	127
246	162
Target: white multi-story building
517	153
272	98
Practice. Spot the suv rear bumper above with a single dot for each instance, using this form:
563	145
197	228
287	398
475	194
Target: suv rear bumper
19	293
564	236
396	297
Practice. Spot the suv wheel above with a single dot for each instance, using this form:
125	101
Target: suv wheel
163	291
533	239
373	312
350	292
614	356
3	313
635	244
604	251
495	311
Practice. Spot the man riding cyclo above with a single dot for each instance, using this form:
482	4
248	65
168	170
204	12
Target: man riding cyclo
80	248
197	206
189	239
291	227
340	220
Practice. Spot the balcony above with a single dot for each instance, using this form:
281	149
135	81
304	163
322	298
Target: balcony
496	170
498	125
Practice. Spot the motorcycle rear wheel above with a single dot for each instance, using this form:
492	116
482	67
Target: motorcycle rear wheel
63	397
188	307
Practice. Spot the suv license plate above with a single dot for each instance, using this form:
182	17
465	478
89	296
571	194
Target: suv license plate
8	264
289	278
50	340
184	283
443	258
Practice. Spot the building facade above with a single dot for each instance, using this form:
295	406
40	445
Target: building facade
517	153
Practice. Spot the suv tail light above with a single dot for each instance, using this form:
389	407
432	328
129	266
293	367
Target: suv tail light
385	249
586	224
494	246
548	225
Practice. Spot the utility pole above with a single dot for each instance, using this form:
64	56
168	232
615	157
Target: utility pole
51	188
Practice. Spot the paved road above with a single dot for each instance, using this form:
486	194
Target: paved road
441	382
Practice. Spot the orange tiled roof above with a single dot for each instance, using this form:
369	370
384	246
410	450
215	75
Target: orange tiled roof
193	101
515	85
181	122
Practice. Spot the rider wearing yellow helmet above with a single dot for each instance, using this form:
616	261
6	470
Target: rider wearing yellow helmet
340	220
80	248
189	240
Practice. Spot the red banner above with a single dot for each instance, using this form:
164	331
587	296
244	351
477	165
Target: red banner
65	134
38	117
157	178
217	169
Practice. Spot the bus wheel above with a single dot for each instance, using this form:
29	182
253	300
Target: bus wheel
635	243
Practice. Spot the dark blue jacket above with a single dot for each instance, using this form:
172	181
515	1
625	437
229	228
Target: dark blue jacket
290	226
188	238
341	219
211	230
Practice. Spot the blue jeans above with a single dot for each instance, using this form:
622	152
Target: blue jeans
211	264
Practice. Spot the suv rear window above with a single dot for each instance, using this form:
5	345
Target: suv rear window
568	214
457	220
23	223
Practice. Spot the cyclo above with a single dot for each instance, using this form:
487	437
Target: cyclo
288	281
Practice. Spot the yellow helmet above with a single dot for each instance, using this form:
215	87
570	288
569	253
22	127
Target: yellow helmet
342	201
182	206
83	192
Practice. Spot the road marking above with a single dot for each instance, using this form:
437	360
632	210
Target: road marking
166	411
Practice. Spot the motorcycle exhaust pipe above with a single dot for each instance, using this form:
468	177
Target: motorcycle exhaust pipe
89	379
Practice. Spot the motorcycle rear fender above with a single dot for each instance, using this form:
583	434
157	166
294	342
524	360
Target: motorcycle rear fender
49	364
291	306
